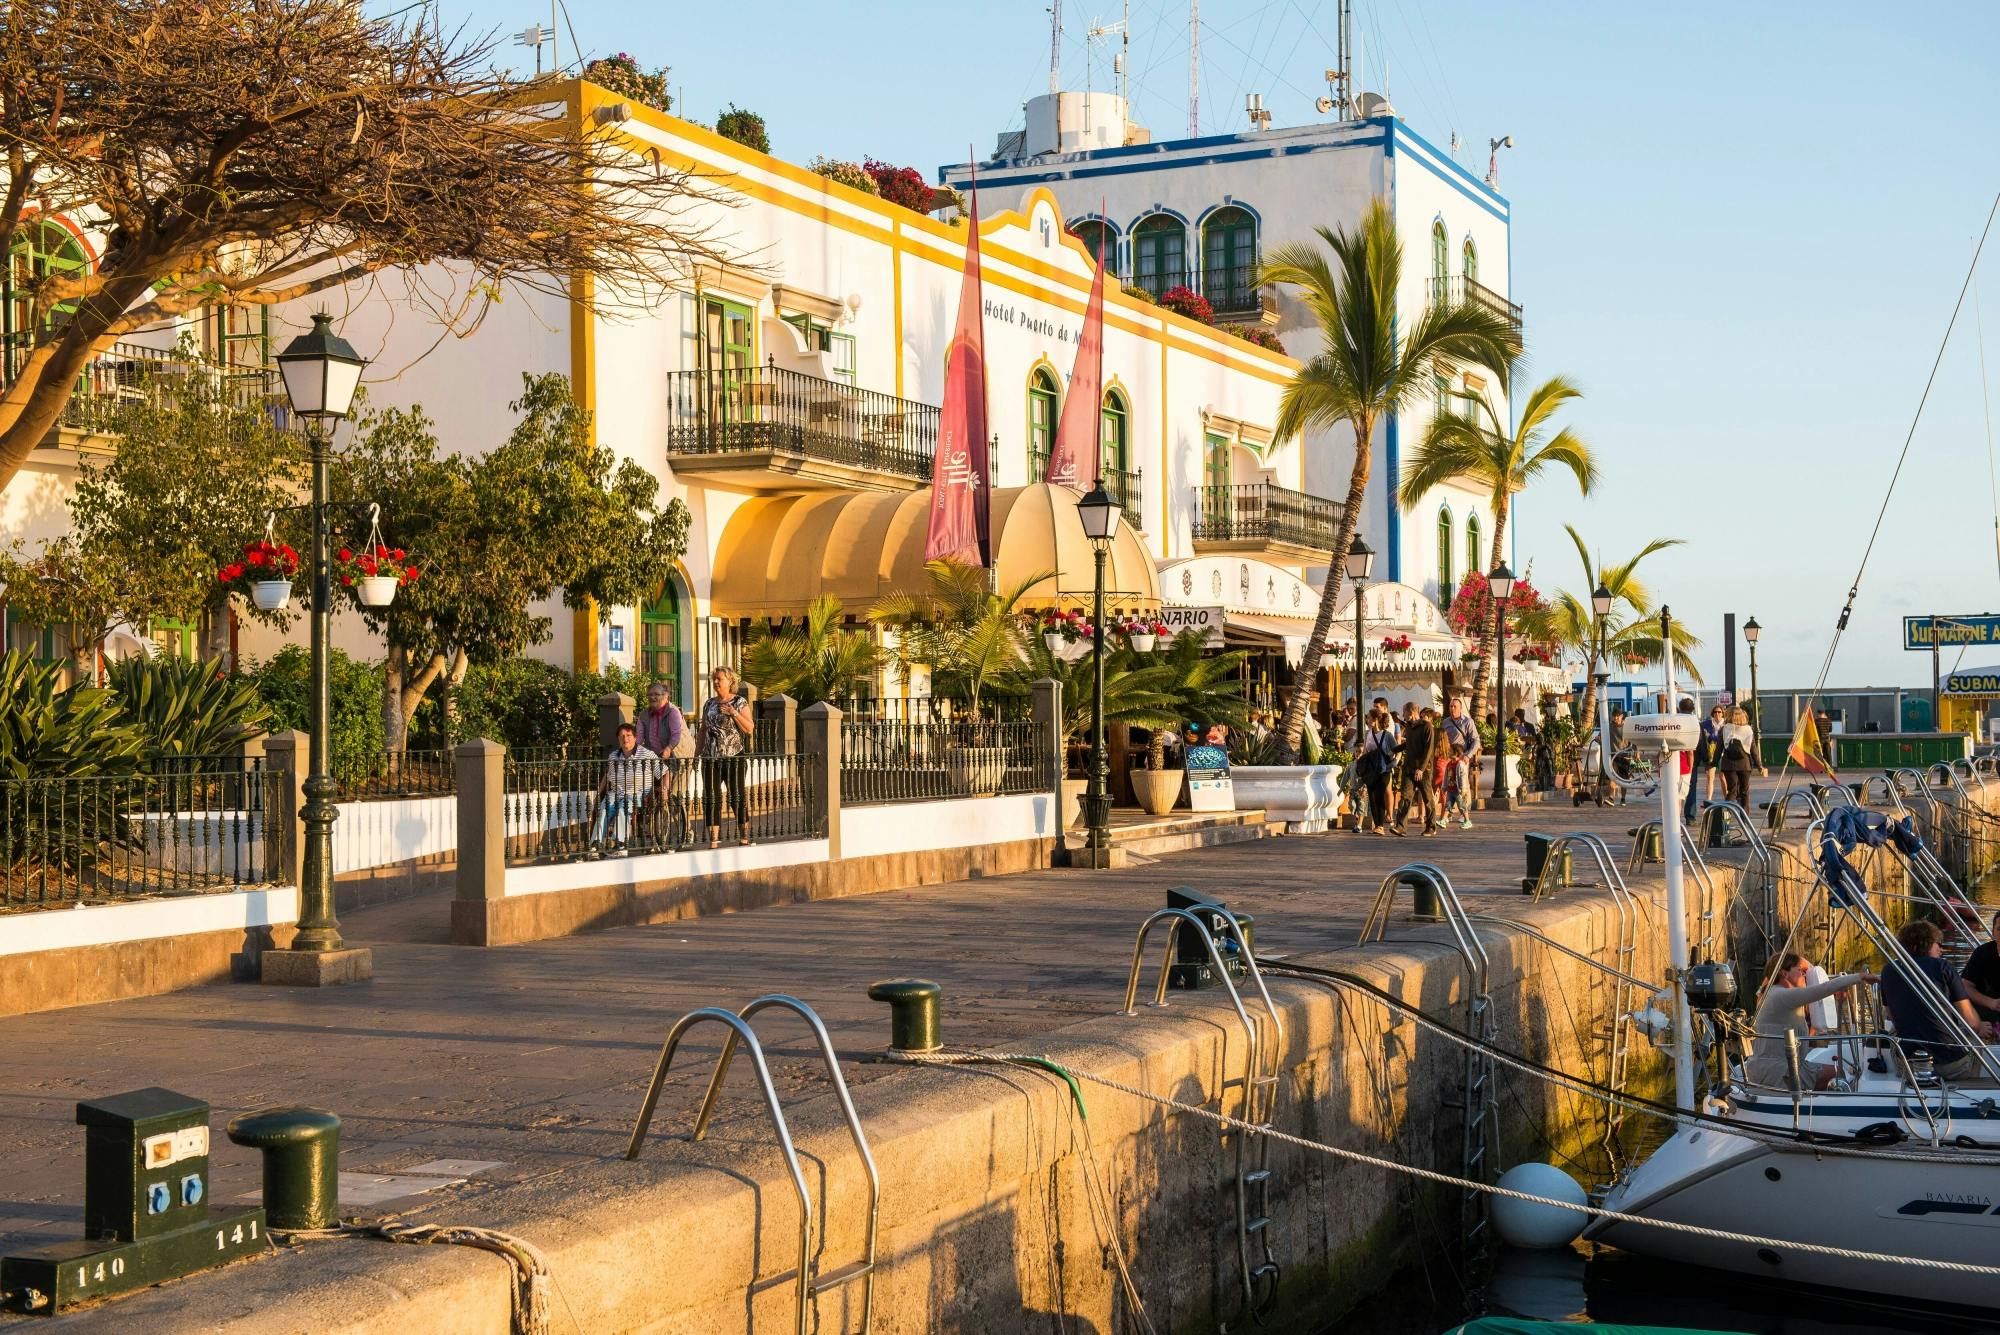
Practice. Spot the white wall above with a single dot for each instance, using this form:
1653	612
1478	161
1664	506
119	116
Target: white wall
963	823
149	919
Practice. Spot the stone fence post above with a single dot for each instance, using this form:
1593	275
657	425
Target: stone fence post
819	760
482	827
613	711
778	723
287	756
1047	714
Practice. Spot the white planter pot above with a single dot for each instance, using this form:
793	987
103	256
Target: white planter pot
1072	801
271	594
1055	642
376	590
1303	795
1143	643
1158	789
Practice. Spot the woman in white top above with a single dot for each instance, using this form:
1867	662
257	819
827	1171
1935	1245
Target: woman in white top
1736	757
1784	1010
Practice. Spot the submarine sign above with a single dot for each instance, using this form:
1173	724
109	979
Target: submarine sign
1973	683
1928	631
1663	732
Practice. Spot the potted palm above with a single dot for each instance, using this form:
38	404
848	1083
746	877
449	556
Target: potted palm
1129	697
1193	686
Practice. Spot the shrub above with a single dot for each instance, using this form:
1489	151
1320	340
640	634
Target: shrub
744	127
1186	301
1137	293
1258	335
48	730
354	722
184	708
899	185
850	174
621	74
527	702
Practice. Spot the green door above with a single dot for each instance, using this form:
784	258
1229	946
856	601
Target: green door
660	639
1215	495
1041	422
730	354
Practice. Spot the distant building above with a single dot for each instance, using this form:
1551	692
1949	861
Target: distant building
1201	213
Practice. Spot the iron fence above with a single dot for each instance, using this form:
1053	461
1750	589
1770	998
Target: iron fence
756	409
125	375
1156	283
890	758
1470	291
563	810
1124	485
393	774
1233	290
184	825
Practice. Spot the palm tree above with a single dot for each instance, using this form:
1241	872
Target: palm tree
1625	631
1371	366
958	628
813	660
1480	447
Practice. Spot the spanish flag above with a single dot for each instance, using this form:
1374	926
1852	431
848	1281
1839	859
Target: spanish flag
1808	747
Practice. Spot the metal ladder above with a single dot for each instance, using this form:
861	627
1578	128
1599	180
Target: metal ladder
1480	1146
1257	1264
810	1280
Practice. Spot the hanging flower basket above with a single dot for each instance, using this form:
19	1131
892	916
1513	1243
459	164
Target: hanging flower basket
1395	644
264	572
374	574
271	595
1067	634
1144	634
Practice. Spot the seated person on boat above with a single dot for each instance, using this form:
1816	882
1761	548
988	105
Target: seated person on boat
1982	975
1916	1029
1784	1010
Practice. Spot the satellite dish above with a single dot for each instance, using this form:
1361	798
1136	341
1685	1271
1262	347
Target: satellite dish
1323	105
1373	105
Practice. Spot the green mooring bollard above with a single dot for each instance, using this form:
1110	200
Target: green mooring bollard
913	1013
301	1148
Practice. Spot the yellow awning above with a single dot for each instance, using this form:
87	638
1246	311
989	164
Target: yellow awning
778	553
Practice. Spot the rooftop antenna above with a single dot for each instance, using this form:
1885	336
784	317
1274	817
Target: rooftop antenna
1055	46
1121	78
1253	106
1194	69
1493	159
1340	80
537	37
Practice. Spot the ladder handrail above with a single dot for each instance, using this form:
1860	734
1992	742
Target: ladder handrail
1781	807
1889	789
1950	777
1972	771
1823	791
1899	773
740	1028
1454	915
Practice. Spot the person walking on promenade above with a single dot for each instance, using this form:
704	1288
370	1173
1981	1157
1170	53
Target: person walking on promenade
1692	763
1617	745
1419	739
726	724
1733	746
1462	739
1372	762
1711	741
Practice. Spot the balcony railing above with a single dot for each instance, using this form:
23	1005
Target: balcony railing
1470	291
1259	512
1233	291
1124	486
764	409
1157	285
127	375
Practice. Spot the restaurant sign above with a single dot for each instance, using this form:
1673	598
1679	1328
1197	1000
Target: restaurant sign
1207	620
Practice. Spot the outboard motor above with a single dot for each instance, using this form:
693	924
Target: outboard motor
1710	987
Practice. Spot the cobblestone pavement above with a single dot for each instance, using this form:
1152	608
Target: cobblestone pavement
535	1056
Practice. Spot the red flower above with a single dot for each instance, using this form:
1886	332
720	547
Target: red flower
290	555
256	557
382	551
222	577
347	579
410	573
346	555
398	553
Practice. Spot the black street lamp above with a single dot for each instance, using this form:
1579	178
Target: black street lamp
321	371
1500	584
1602	600
1100	516
1751	630
1360	563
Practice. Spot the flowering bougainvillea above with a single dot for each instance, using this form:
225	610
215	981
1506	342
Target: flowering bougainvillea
849	174
1257	334
621	74
1472	609
1188	302
899	185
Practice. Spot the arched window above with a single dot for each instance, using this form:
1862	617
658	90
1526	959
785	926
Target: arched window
1471	261
1228	259
39	250
1115	441
1475	559
1445	545
1440	259
1042	393
1101	239
1159	253
661	638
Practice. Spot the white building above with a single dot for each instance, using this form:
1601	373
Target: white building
1200	213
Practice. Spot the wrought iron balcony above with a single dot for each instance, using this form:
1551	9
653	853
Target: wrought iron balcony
1469	290
128	375
1233	293
762	428
1262	518
1157	285
1124	486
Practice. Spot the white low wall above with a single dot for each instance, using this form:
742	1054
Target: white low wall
1305	797
649	867
366	834
919	827
147	919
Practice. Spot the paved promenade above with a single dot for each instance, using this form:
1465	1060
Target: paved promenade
531	1058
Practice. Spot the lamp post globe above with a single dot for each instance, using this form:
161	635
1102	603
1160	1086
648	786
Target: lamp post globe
1500	584
321	370
1099	514
1601	600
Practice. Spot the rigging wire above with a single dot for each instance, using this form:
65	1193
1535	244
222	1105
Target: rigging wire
1986	410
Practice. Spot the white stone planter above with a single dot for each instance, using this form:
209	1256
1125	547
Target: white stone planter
1305	797
271	594
1158	789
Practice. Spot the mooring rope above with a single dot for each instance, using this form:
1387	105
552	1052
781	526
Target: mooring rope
533	1284
1443	1179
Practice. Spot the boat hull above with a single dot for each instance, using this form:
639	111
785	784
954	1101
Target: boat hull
1889	1204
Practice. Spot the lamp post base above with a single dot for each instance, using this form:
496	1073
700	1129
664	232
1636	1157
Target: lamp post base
1497	803
317	968
1102	858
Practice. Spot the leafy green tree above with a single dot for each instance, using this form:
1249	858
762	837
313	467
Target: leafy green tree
354	719
547	511
1197	686
74	586
195	473
967	635
745	127
1127	694
1372	364
811	660
1479	446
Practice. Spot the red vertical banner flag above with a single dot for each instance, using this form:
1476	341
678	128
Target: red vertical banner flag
1074	458
961	517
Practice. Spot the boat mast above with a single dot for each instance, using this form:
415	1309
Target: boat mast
1670	853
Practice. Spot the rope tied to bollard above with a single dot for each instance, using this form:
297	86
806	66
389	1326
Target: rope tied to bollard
533	1310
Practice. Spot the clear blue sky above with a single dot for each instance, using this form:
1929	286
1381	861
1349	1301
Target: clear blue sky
1742	228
